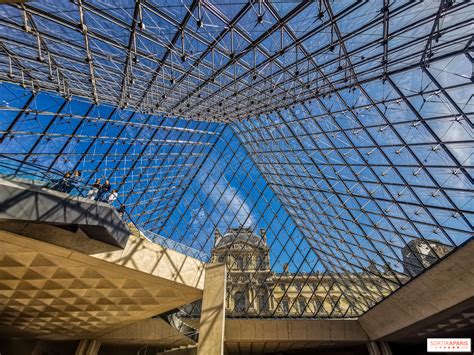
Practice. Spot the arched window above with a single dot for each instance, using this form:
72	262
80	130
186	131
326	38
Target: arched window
334	301
262	303
319	305
239	263
260	265
263	300
302	305
240	302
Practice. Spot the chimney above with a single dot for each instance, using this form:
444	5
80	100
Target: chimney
263	233
217	236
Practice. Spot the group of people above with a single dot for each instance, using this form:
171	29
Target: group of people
68	182
100	192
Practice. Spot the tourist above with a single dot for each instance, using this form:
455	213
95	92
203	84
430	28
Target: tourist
61	184
94	190
112	197
121	210
73	181
103	191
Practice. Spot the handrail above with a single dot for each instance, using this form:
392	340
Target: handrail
43	174
39	173
38	166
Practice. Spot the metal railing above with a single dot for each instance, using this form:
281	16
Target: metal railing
19	171
16	170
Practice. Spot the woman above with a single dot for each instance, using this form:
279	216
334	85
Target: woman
112	197
94	190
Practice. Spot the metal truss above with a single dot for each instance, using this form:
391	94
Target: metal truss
221	62
342	128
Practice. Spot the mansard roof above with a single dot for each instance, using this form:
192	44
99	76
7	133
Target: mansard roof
239	234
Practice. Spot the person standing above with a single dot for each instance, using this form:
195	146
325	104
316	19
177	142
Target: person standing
94	190
112	197
73	181
103	191
60	184
121	210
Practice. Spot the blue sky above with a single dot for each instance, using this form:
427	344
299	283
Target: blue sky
228	190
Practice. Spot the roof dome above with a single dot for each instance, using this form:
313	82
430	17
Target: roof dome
243	234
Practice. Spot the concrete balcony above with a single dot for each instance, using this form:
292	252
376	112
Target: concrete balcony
22	202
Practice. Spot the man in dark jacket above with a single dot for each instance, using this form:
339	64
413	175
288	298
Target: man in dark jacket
103	191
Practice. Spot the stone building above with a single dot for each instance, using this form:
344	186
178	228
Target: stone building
420	254
254	290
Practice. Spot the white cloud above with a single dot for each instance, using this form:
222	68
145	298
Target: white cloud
227	198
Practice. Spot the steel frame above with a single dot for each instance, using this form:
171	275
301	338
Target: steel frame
355	117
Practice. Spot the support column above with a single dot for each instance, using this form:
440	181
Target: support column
372	347
88	347
379	348
385	348
212	324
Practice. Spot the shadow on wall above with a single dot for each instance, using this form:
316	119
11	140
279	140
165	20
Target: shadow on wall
30	203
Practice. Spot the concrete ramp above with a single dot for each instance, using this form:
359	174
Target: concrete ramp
86	289
25	202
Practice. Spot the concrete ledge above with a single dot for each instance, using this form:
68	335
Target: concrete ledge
153	331
445	285
294	330
31	203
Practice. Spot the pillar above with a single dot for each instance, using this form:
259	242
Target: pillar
379	348
385	348
88	347
212	324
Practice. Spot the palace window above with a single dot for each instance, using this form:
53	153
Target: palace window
318	302
239	263
262	303
240	302
302	305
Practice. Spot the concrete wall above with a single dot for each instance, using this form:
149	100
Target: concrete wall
151	258
445	285
139	254
153	331
212	324
294	330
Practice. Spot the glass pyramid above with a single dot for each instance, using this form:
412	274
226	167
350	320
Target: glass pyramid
337	136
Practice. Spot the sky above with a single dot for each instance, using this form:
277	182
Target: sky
335	189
